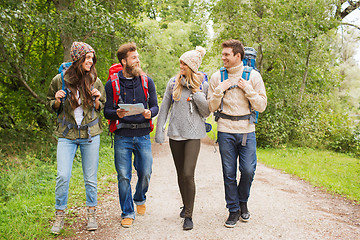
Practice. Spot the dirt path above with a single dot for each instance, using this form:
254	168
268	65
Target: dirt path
281	206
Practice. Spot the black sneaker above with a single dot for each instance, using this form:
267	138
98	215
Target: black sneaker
182	213
188	224
232	219
245	214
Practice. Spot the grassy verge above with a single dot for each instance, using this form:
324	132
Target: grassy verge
337	173
27	190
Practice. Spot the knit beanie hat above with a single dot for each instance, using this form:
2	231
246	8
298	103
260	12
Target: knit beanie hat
79	49
193	58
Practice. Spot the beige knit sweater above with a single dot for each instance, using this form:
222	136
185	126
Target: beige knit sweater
236	101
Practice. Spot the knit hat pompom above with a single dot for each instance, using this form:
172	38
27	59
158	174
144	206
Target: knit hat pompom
79	49
193	58
201	50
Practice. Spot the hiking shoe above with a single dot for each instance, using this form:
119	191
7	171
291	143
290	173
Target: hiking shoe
182	213
141	209
188	224
232	219
59	222
92	225
245	214
127	222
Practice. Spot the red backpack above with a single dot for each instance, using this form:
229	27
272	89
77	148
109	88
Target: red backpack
114	78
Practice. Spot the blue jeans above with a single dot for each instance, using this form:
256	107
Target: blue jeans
124	147
66	150
231	150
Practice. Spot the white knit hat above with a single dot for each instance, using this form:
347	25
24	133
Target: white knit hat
193	58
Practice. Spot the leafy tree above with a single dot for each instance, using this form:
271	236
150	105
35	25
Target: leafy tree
162	49
296	58
346	45
35	37
187	11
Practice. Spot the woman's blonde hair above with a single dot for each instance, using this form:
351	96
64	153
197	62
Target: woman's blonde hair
191	78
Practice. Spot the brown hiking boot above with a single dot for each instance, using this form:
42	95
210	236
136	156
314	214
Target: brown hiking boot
127	222
141	209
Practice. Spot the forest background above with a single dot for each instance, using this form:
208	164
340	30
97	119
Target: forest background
305	51
305	55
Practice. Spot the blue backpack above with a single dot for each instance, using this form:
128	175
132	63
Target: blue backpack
62	69
250	58
249	63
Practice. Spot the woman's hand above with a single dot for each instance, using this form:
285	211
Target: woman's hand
96	93
59	95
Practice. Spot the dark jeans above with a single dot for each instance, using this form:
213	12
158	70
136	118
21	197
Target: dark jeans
231	150
185	154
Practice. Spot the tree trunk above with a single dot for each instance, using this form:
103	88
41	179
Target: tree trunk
303	84
65	36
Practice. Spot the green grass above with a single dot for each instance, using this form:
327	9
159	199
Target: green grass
28	193
335	172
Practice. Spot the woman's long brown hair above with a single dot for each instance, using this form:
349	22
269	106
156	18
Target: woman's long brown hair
80	80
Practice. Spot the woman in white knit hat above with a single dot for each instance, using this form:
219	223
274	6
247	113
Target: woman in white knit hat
186	96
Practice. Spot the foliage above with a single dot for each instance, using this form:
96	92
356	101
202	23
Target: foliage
162	49
335	172
346	45
173	10
295	43
35	38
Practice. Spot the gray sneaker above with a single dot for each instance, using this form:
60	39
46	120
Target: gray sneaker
59	222
92	225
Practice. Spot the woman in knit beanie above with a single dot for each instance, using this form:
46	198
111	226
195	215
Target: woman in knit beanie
186	96
77	97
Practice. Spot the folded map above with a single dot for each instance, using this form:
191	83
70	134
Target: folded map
132	109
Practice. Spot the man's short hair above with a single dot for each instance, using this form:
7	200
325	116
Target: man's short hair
124	49
236	46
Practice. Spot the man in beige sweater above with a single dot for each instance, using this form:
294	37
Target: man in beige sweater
233	100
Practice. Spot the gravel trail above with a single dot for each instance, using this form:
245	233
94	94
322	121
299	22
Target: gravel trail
281	206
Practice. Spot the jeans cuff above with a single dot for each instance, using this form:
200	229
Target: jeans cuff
131	215
60	207
234	209
140	203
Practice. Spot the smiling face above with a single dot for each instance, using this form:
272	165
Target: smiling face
132	63
230	60
88	62
184	69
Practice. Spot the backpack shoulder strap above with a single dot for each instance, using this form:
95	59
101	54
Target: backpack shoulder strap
224	74
246	73
62	69
145	83
63	82
63	87
114	78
